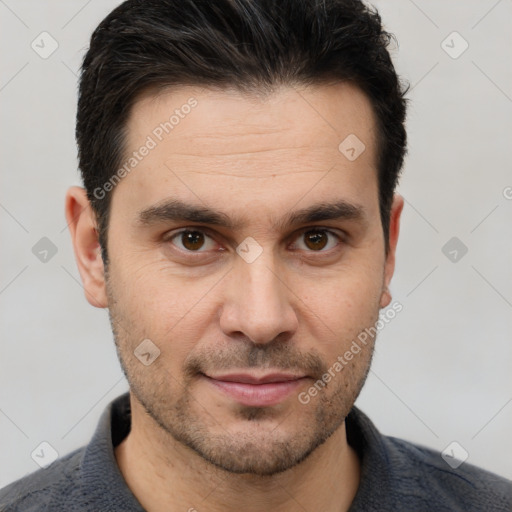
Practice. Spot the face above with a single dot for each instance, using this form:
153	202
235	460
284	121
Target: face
247	248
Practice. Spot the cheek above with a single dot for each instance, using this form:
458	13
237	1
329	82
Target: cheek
340	306
349	291
151	303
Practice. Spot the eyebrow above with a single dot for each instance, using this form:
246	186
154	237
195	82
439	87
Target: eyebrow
177	210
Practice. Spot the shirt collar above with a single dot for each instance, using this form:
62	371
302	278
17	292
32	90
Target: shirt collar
101	477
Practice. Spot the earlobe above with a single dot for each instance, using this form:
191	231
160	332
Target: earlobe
81	221
385	298
394	229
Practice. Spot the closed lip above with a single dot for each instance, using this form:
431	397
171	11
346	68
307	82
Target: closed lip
246	378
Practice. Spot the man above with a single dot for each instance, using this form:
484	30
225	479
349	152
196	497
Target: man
240	224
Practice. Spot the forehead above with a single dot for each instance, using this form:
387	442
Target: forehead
226	148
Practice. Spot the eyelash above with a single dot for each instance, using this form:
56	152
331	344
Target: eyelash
171	236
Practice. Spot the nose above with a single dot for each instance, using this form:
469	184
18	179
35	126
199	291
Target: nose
258	304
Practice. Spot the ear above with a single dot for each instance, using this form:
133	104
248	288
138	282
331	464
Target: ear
84	235
394	228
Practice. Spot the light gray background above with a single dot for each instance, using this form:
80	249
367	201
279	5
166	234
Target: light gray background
442	368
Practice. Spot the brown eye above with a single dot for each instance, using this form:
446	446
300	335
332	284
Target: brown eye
316	240
192	240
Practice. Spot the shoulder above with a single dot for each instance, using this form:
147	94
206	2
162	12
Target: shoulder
424	473
37	491
399	475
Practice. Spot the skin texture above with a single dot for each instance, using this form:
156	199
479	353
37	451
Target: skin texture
296	307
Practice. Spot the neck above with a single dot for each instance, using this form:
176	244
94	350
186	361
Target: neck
165	475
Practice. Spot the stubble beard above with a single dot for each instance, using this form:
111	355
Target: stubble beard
257	450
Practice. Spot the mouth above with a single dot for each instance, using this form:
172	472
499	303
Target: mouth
256	390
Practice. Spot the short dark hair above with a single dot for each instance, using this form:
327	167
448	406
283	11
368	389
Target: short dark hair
248	45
